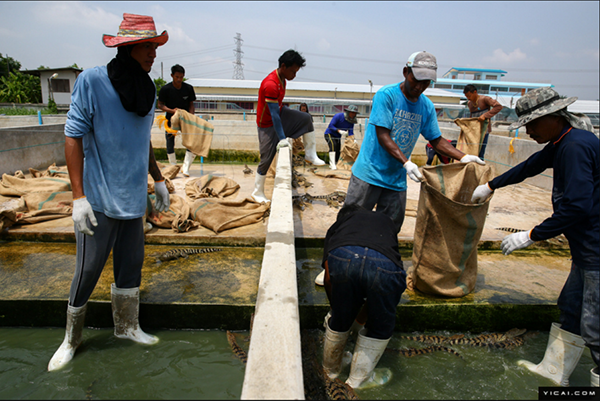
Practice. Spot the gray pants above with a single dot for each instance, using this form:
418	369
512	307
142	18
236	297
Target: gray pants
125	238
389	202
295	124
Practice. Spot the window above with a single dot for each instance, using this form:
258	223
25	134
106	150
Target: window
516	89
499	89
245	105
459	87
60	85
443	86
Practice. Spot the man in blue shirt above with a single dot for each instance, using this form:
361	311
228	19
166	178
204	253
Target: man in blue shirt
573	152
341	125
400	113
109	156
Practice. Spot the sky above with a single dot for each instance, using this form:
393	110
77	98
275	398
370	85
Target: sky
343	42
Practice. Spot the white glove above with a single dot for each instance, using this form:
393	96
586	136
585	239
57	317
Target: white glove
471	158
413	171
82	212
284	143
481	193
162	196
516	241
343	132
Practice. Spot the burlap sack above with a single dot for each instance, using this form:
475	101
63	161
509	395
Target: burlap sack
176	217
13	186
472	132
9	207
448	229
220	215
196	133
209	186
169	171
43	206
51	171
348	155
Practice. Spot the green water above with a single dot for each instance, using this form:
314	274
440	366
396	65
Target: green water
183	365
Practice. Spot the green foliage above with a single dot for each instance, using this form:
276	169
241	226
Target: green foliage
52	106
43	67
21	111
75	66
159	82
20	88
8	64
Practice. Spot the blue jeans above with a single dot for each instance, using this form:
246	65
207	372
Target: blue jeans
579	307
357	273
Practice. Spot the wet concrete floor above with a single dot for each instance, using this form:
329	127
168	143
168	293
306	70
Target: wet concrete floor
218	290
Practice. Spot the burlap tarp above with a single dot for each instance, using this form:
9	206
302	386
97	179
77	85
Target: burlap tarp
43	206
209	186
51	171
196	133
220	215
13	186
177	217
472	132
448	229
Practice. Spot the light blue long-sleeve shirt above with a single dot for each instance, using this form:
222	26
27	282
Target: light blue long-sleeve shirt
116	145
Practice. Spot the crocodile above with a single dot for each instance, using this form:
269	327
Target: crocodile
334	199
299	180
486	340
433	339
237	350
410	352
247	170
184	252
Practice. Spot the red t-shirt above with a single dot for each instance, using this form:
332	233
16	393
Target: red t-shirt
272	89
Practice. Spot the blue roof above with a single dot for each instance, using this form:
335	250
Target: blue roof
483	70
494	82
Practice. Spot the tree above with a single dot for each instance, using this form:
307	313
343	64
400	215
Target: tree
159	83
20	88
8	64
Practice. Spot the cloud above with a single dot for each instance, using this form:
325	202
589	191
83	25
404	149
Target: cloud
534	41
500	57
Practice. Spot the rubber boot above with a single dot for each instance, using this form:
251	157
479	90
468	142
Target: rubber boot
594	377
310	149
320	279
172	159
562	355
367	353
259	188
73	334
187	163
126	308
332	161
333	351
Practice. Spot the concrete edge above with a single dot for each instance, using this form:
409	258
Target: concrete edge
274	368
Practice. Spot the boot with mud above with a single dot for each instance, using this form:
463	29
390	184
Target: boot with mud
367	353
73	335
333	350
126	308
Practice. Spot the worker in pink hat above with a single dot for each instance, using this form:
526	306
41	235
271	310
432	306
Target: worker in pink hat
109	156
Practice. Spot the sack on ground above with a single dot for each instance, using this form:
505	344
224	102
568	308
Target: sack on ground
209	186
472	132
44	206
51	171
177	217
448	229
220	215
13	186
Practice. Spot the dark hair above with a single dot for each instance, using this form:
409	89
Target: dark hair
470	88
349	209
177	68
290	58
303	104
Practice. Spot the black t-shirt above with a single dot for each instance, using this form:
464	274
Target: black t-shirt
365	228
177	98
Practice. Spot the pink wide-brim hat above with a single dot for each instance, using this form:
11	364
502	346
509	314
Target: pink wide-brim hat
135	29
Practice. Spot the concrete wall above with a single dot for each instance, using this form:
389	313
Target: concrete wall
33	146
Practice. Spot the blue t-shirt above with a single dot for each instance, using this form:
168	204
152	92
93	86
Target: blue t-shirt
116	145
339	122
405	120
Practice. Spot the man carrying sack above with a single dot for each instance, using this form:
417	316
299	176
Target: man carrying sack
109	155
572	151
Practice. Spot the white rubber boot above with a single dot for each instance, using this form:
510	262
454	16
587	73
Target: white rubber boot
73	334
126	308
310	149
333	351
367	353
594	377
332	161
562	355
187	163
259	188
172	159
320	279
